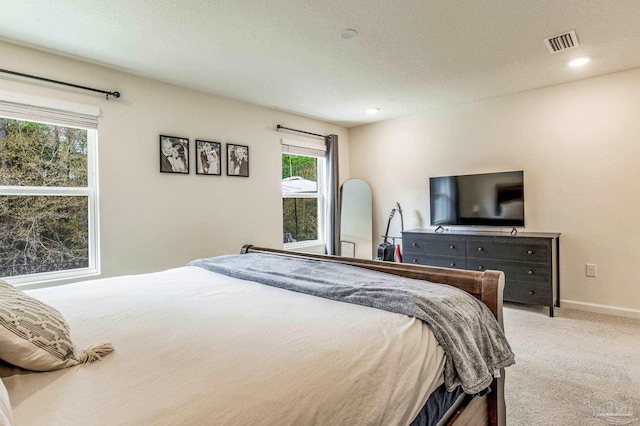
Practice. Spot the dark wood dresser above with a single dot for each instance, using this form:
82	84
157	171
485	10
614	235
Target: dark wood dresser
529	260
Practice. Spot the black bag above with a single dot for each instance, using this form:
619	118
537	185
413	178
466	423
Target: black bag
386	250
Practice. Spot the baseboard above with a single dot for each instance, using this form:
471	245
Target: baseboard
601	309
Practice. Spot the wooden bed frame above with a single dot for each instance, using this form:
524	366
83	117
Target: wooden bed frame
487	286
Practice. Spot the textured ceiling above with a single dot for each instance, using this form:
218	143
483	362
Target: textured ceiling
409	56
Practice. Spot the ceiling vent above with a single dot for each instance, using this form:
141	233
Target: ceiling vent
561	42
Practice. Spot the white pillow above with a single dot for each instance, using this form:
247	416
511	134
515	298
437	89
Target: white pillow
6	416
35	336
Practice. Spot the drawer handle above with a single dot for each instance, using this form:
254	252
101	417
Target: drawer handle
453	264
414	244
481	267
415	260
530	272
531	293
452	247
529	251
480	249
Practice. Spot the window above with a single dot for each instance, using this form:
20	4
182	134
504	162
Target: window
302	195
48	226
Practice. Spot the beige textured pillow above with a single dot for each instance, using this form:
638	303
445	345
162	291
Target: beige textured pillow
35	336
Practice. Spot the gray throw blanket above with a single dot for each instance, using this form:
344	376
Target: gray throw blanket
474	343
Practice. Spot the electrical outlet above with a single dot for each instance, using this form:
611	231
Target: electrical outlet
591	269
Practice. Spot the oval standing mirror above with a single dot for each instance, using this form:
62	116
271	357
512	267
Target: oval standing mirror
356	223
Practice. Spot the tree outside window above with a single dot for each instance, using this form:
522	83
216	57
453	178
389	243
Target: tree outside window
301	198
45	198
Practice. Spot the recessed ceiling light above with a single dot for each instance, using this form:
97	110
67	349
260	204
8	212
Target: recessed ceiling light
348	33
373	110
578	62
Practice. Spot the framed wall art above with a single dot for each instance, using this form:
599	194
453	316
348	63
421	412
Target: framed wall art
174	154
208	158
237	160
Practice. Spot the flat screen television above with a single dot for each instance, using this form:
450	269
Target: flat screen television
488	199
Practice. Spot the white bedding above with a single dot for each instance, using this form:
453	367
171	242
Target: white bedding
195	347
6	416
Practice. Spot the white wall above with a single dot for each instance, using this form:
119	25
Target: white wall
151	220
579	146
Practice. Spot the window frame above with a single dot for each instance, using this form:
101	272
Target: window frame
320	195
90	191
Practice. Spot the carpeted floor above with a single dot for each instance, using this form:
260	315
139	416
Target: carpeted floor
577	368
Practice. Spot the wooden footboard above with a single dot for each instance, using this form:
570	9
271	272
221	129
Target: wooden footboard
486	286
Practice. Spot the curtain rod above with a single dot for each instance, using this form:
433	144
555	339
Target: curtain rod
278	127
48	80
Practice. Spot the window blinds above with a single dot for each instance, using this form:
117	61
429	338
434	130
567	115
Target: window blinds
31	108
308	149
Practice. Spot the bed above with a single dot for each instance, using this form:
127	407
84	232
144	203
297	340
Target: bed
195	346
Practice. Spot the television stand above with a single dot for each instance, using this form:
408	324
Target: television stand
530	260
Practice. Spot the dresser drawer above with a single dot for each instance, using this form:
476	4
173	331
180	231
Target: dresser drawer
440	261
526	293
434	244
514	271
533	251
